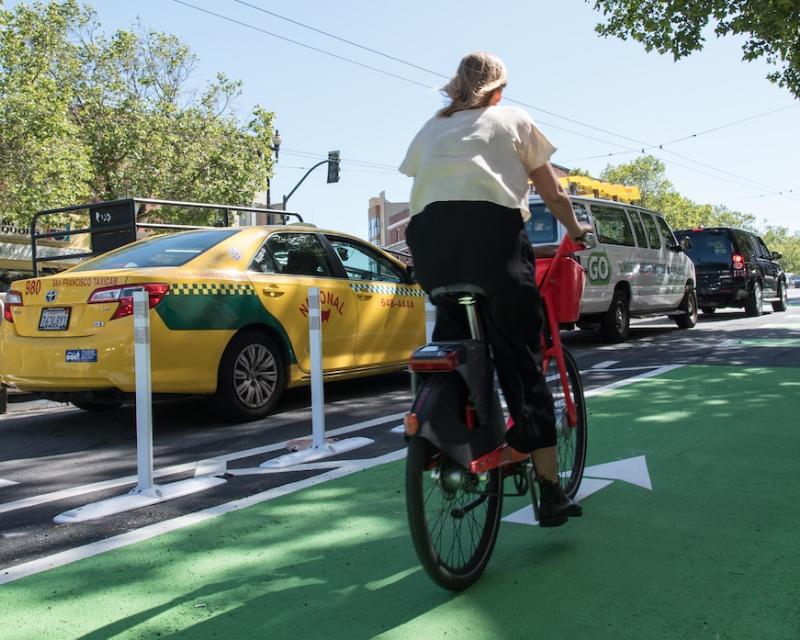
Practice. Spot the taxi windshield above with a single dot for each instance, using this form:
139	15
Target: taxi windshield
172	250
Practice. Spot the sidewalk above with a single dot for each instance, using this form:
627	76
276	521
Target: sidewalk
709	552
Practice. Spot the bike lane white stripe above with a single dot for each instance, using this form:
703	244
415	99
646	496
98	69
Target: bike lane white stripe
348	467
187	467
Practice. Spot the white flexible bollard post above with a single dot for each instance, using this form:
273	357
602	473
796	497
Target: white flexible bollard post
317	389
430	319
144	394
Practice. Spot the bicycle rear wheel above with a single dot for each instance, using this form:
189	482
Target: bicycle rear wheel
571	440
454	515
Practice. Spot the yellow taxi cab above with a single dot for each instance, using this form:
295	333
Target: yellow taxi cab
229	317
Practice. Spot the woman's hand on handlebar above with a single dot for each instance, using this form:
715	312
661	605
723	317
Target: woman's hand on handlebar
578	233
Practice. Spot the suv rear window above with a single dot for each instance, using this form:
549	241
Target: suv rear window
171	250
709	247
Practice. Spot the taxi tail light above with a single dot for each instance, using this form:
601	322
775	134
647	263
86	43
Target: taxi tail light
123	296
13	299
738	262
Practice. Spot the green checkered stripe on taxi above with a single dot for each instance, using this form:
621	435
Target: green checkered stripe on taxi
387	289
211	289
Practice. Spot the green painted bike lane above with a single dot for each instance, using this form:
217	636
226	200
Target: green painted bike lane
711	552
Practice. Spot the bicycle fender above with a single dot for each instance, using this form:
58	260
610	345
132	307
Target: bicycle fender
440	408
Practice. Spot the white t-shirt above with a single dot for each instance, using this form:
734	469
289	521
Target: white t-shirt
478	155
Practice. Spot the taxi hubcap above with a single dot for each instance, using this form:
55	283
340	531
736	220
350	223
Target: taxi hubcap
255	376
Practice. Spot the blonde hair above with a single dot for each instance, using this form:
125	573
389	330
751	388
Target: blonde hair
479	75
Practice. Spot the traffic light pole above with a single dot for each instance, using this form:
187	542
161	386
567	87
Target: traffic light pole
333	173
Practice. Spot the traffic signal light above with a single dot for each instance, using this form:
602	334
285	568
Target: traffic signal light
333	166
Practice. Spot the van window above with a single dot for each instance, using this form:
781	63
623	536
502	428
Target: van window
638	228
666	232
652	232
613	226
542	228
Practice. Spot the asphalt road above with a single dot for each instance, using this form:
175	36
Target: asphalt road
55	458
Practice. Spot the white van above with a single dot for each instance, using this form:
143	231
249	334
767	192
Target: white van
637	269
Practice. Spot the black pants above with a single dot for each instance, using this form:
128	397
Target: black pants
485	244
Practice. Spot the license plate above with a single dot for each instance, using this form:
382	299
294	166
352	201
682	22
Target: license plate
54	319
81	355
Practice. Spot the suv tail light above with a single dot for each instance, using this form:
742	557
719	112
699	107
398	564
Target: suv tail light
738	262
124	296
13	299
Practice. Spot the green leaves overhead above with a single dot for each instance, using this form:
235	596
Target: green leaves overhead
85	115
770	29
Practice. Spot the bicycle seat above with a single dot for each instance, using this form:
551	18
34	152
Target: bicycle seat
457	291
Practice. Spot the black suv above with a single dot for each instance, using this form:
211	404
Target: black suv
735	269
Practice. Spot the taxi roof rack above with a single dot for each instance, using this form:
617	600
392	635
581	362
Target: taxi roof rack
114	223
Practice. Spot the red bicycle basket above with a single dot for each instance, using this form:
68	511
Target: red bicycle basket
566	282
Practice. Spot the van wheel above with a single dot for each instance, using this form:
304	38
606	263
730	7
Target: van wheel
688	319
252	376
754	303
783	298
616	322
708	310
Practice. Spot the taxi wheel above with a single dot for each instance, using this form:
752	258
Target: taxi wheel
252	376
616	322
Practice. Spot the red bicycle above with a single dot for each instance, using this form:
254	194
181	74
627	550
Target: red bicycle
458	460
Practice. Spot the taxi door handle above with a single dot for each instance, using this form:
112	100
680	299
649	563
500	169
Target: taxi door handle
363	296
274	292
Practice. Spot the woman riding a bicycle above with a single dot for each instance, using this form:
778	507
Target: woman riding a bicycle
471	163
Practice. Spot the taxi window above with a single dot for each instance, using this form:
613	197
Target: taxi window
652	230
613	226
666	232
361	263
296	254
641	240
173	250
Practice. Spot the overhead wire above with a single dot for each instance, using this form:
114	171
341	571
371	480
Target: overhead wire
626	150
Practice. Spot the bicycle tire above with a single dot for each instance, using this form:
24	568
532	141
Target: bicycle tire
572	441
453	551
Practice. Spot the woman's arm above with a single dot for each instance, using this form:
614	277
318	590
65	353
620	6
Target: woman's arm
557	200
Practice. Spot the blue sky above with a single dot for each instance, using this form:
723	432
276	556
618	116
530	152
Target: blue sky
556	62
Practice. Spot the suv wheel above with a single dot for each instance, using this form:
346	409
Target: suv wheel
754	303
783	298
252	377
688	319
616	322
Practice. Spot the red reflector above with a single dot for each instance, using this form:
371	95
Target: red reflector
738	261
13	299
124	296
411	424
446	363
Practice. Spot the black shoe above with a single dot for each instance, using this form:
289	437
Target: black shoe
554	506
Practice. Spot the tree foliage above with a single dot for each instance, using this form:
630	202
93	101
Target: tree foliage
770	28
88	115
649	174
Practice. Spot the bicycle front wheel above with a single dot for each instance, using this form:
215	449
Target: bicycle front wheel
454	515
571	439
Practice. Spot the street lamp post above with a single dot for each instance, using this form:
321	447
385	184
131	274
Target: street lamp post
276	148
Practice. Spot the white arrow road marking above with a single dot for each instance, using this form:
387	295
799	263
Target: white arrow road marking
605	364
630	470
7	483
